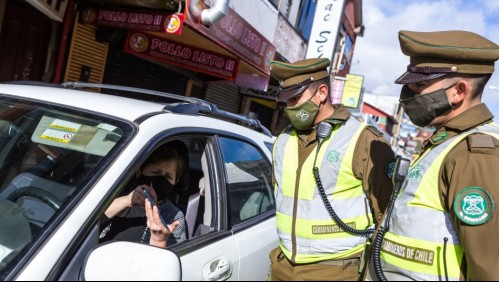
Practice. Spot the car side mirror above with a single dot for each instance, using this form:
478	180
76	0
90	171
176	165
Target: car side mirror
119	261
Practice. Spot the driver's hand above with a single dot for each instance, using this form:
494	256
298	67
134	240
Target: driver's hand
159	232
137	197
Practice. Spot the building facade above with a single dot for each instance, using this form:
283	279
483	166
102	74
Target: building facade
218	50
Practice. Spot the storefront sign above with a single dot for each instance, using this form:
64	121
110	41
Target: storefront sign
165	50
53	9
236	35
133	19
325	29
270	94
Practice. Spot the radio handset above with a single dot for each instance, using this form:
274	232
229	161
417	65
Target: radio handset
400	172
323	132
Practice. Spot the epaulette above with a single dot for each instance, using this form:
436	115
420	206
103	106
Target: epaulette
374	130
481	143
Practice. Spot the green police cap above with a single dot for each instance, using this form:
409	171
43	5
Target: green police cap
295	77
436	54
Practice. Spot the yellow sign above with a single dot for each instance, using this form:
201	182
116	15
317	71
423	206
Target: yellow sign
352	90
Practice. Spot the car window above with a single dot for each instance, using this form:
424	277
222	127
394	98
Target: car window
248	179
47	156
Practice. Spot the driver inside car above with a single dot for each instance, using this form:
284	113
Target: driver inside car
131	217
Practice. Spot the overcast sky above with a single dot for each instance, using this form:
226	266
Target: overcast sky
377	54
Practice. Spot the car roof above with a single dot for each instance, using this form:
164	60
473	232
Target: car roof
121	107
143	103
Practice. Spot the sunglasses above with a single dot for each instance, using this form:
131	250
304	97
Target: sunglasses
290	92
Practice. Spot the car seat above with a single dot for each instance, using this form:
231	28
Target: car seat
183	184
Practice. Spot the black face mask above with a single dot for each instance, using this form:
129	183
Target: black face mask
161	186
423	109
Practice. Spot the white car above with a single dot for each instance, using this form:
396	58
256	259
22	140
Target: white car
66	152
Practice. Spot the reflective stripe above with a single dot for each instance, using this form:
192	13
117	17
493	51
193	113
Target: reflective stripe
318	229
317	235
351	209
319	256
419	222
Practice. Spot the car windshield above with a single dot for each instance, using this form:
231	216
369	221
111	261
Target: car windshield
48	155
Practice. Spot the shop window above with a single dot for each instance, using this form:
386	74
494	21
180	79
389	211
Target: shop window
306	18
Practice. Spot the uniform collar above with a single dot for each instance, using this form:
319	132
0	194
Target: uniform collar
340	114
474	116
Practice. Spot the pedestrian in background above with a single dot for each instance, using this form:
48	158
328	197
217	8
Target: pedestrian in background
330	178
444	223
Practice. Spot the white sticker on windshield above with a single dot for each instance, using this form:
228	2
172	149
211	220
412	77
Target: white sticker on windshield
106	126
57	135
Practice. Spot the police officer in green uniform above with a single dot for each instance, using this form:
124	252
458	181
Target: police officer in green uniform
330	179
444	224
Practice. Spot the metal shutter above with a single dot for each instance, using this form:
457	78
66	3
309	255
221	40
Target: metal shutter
85	51
129	70
225	96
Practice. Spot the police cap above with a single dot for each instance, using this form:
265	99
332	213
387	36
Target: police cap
295	77
436	54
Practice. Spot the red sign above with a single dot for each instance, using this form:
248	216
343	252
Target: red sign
149	46
139	20
236	35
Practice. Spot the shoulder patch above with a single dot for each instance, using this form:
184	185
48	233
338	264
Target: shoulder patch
474	205
375	130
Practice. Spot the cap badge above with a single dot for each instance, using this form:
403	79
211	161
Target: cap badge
474	205
453	68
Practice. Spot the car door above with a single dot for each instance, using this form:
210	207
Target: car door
237	227
211	254
250	204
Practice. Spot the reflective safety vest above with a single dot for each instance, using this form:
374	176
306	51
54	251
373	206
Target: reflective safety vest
421	243
306	231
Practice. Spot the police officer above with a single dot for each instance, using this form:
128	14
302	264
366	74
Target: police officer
444	223
330	179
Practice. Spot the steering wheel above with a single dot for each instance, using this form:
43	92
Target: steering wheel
46	197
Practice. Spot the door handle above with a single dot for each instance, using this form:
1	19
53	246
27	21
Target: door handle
217	270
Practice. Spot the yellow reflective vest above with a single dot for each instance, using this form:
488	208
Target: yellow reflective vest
306	231
421	243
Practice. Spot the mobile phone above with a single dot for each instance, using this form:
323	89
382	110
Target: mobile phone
153	203
148	196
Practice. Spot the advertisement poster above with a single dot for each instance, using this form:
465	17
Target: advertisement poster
352	90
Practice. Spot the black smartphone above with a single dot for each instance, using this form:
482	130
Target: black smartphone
148	196
153	203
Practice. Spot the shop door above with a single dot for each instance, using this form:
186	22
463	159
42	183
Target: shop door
24	39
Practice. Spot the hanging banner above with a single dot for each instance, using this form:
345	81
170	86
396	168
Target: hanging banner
160	49
352	90
133	19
